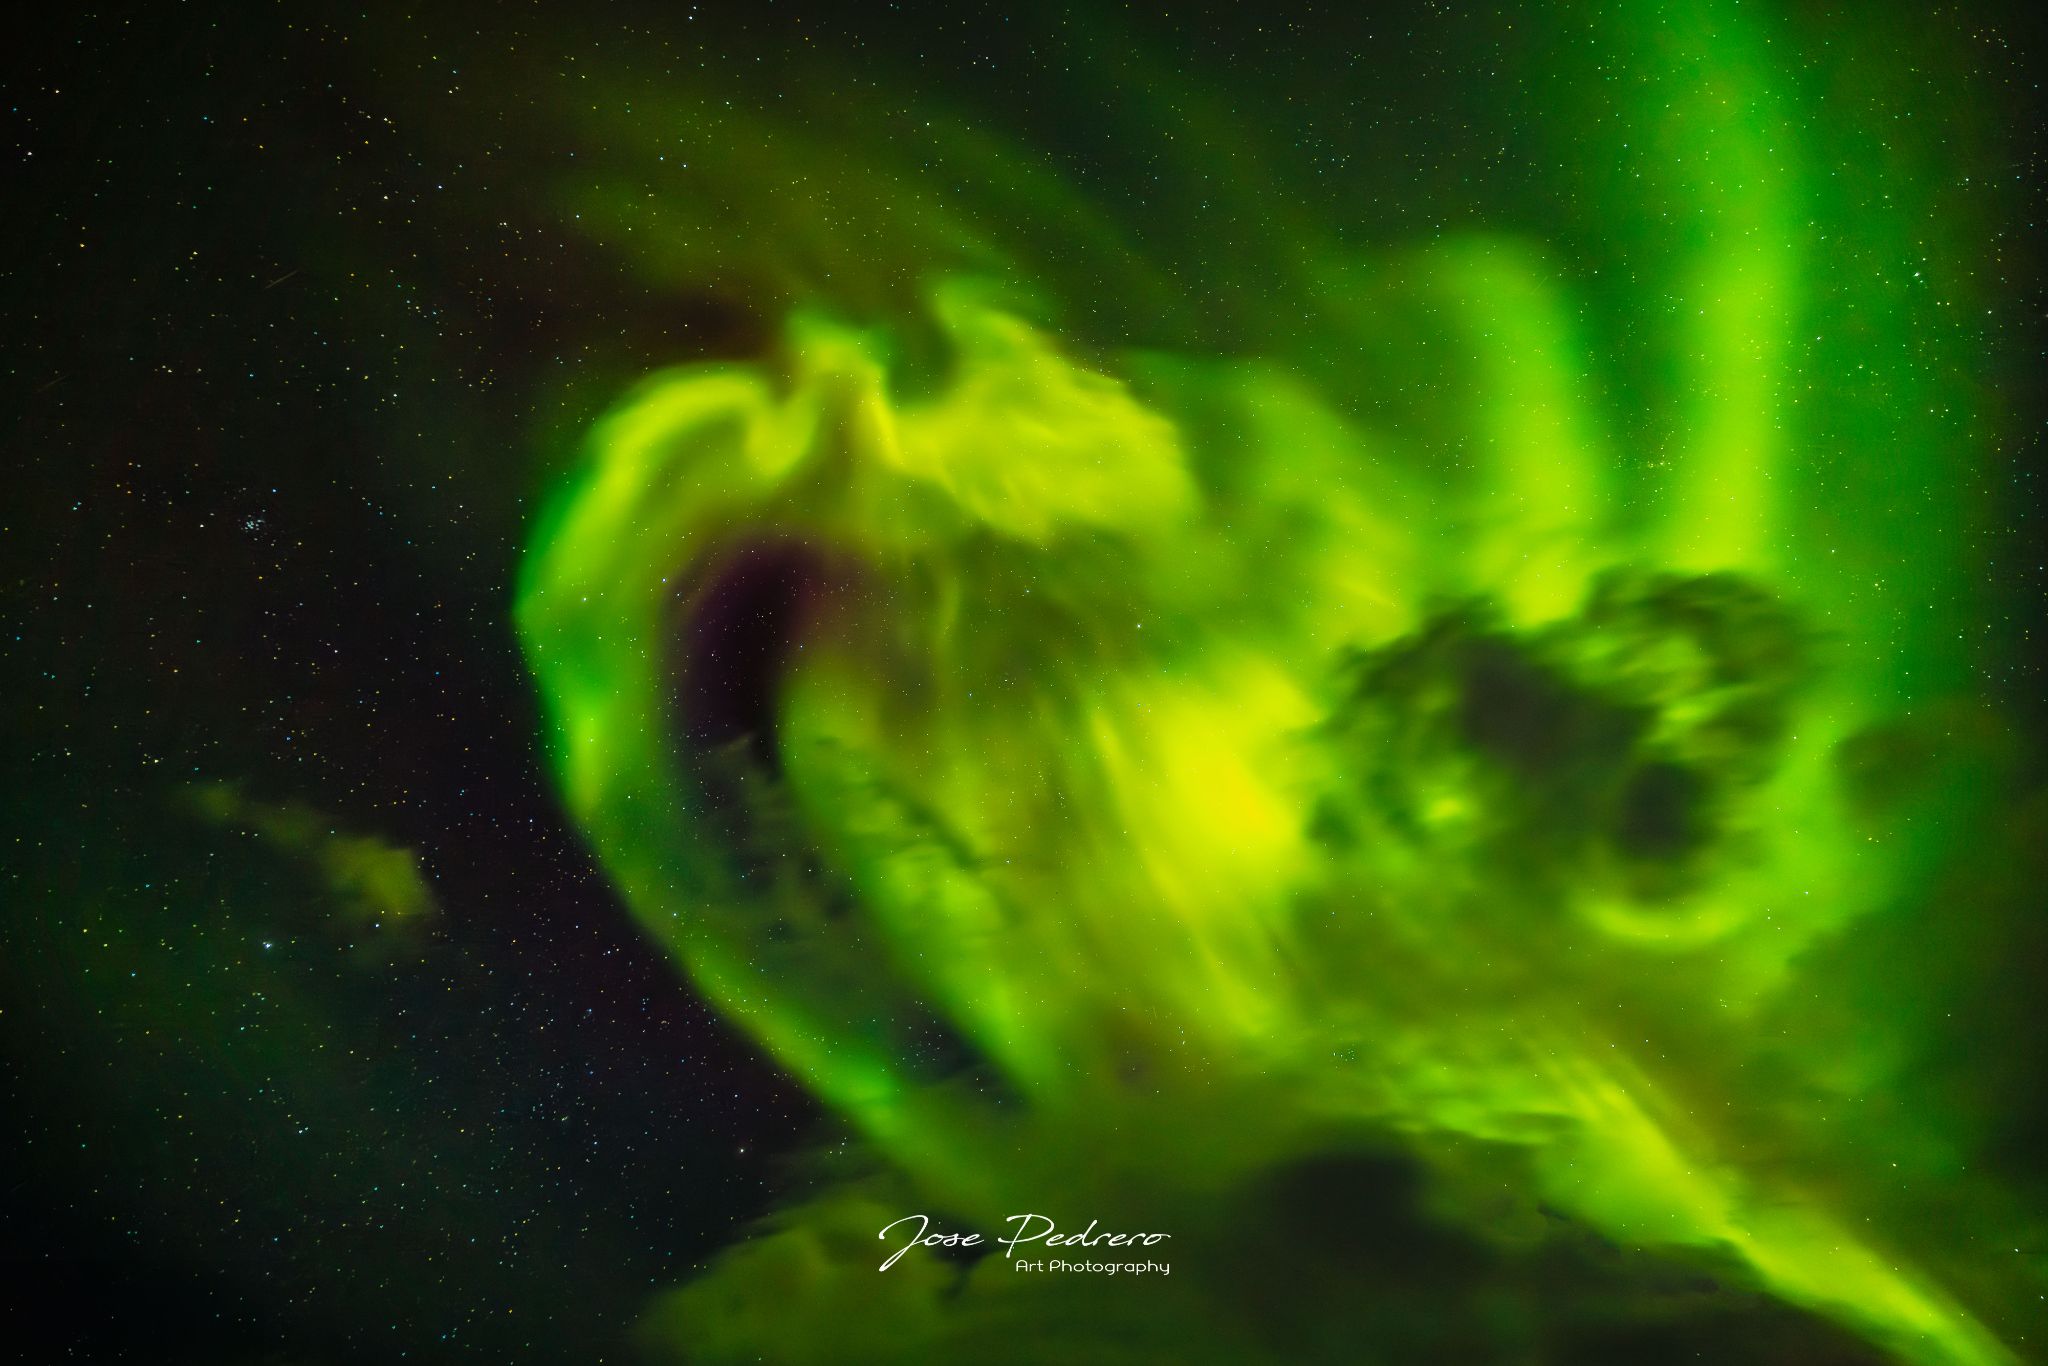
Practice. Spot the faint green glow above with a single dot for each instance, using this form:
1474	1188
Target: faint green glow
1222	768
375	885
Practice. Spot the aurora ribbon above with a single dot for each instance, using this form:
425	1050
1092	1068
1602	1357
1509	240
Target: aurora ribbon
1373	719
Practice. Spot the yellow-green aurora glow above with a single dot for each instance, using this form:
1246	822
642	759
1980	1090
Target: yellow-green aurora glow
1107	766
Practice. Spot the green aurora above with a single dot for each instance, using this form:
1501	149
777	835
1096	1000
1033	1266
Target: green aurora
1389	641
1125	715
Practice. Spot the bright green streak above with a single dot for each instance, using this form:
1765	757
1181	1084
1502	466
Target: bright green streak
1095	687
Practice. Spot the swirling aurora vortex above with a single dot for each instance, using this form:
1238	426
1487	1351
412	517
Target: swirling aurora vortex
1443	696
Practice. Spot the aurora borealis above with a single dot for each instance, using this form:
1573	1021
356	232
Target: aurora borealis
1391	644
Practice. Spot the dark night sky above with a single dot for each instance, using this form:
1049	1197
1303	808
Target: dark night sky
267	484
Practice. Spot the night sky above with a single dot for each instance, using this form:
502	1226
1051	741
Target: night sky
267	448
325	1035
